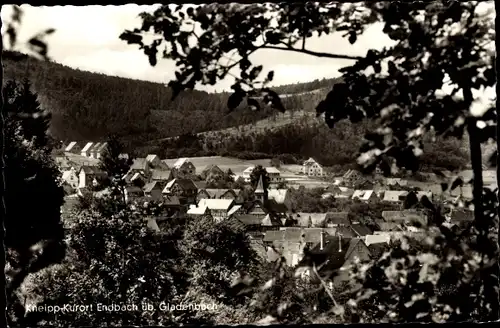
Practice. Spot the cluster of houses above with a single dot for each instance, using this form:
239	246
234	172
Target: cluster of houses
90	149
268	215
354	185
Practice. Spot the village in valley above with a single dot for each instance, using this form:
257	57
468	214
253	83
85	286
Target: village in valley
259	198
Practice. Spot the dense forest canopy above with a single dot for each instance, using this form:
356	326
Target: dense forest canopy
90	106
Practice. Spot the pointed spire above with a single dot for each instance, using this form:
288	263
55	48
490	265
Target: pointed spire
260	186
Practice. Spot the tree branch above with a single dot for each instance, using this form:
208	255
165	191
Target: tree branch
314	53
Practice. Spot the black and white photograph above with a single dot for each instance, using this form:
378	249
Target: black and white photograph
250	163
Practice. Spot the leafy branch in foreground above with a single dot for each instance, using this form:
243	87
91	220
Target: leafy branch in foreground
36	45
210	42
401	88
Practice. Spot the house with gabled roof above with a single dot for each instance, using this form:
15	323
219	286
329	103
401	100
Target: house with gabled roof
247	172
92	151
337	219
406	216
70	177
395	196
133	193
351	177
365	195
361	230
339	252
73	148
154	190
183	168
280	196
139	164
274	174
396	182
312	168
217	194
219	208
86	149
155	162
98	151
185	189
161	175
90	176
309	220
195	210
212	171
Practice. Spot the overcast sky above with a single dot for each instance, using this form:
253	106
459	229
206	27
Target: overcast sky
87	37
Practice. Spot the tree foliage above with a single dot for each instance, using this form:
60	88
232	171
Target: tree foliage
116	166
400	90
34	233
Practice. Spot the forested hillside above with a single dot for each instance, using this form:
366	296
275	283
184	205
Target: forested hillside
89	106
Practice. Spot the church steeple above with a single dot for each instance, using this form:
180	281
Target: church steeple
259	191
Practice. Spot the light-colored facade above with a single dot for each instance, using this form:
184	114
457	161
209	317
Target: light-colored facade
312	168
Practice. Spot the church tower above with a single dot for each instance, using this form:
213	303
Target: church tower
259	191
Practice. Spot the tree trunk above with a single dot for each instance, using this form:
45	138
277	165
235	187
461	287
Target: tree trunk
477	169
3	319
480	221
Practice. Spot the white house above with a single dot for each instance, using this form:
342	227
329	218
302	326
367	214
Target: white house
90	176
92	152
71	178
312	168
86	150
273	173
219	208
247	172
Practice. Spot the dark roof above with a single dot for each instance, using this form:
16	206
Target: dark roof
171	200
88	169
272	206
249	219
212	167
376	250
336	256
186	184
337	218
134	189
200	184
462	215
361	229
346	232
